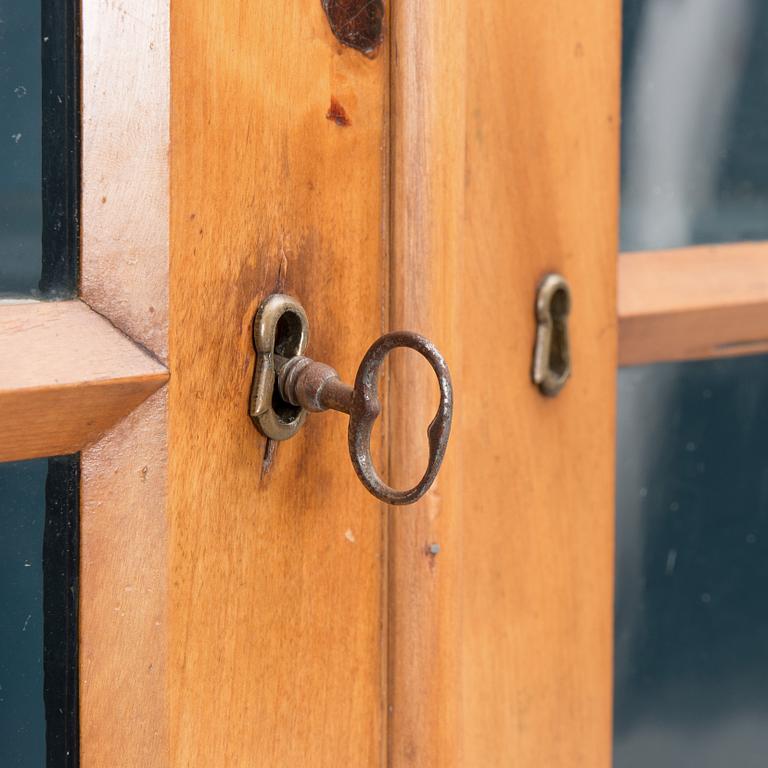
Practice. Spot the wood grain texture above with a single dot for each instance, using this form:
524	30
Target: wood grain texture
537	482
66	375
124	577
693	303
276	582
428	130
124	235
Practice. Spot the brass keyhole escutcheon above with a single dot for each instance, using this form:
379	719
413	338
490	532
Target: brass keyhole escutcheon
552	352
287	385
280	330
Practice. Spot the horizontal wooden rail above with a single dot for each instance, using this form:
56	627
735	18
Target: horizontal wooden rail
66	375
693	303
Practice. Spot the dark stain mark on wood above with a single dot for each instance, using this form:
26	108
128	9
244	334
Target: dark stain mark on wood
357	24
337	113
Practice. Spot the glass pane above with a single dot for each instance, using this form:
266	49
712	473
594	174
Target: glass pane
39	130
695	134
21	216
692	566
38	665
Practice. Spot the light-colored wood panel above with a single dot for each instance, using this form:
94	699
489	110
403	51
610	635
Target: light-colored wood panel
538	473
124	235
693	303
428	113
124	576
123	592
276	572
66	375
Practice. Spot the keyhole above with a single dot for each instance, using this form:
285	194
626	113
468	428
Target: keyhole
552	356
558	347
288	335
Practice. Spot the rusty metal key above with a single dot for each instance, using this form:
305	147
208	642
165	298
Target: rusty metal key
305	386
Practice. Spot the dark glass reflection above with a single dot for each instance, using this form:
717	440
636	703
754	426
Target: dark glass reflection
691	672
21	115
39	147
695	134
38	633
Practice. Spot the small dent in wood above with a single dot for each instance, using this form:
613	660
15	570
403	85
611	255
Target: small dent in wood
357	24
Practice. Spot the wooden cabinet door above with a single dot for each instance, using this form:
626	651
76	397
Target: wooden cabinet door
278	557
393	165
427	185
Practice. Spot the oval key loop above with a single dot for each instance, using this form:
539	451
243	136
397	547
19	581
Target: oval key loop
285	381
366	408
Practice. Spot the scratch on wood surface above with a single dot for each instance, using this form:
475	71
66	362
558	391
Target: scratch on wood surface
282	271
